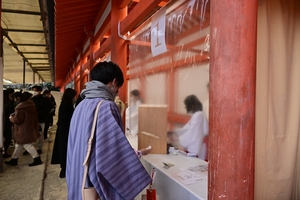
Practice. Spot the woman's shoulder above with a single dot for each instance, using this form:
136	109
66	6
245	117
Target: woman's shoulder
198	114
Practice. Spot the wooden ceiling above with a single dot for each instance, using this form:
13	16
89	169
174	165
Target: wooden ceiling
75	22
52	45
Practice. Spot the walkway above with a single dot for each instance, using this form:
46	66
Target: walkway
33	183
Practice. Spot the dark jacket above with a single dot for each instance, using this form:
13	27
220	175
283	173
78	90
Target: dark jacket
52	112
9	108
43	107
65	113
26	126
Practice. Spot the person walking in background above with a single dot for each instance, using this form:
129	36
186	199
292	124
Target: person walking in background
52	111
65	112
28	95
132	113
191	136
26	129
9	108
78	100
114	168
43	107
49	119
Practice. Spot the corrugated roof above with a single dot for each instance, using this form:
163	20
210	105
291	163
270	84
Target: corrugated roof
25	37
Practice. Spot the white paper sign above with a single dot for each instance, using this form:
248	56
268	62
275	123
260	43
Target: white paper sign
158	26
189	179
192	175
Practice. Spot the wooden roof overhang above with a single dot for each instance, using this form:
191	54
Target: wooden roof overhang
75	21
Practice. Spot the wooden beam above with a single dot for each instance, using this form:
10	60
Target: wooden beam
23	30
26	12
138	14
104	48
193	30
178	118
178	63
161	4
170	47
168	53
101	11
103	31
124	3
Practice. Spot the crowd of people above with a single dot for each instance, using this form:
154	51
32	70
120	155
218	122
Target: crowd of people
25	116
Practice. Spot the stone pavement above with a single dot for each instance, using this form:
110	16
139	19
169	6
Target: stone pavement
40	182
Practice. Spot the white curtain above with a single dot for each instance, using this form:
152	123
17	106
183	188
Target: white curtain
277	168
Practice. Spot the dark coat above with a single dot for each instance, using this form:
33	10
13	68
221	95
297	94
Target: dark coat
52	111
65	113
43	107
26	125
9	108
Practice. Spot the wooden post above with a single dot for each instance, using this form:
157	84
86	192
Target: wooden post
118	45
82	62
232	99
94	45
1	100
24	71
33	77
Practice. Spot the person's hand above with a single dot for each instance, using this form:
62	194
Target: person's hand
146	151
172	138
11	115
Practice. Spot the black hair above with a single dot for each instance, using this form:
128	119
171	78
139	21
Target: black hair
192	104
46	92
79	99
106	72
10	90
5	96
135	93
28	95
69	94
38	88
20	95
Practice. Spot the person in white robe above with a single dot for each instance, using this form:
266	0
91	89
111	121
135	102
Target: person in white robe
132	113
190	136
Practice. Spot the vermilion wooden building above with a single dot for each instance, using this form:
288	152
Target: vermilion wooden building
247	52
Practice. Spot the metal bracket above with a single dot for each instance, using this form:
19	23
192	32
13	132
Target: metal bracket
120	35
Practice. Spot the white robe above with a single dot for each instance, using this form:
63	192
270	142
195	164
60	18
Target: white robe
192	134
132	118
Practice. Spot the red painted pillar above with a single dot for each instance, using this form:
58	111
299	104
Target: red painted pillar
81	74
118	45
94	46
232	99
